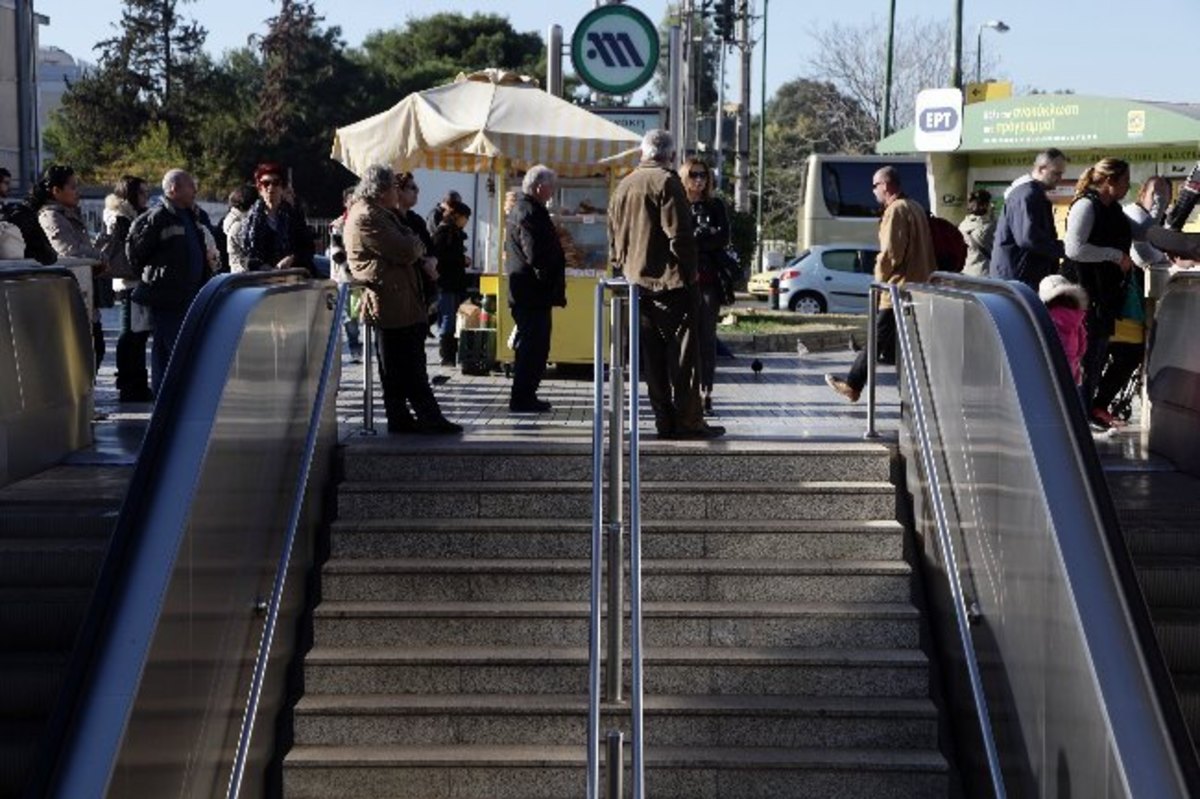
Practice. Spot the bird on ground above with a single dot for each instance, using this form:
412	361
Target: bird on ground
756	366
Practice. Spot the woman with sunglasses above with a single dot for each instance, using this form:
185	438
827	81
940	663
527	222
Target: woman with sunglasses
275	234
710	223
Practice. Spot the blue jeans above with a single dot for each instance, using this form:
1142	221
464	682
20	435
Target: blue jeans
447	305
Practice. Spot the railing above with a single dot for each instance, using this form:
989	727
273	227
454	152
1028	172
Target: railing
46	368
1068	680
620	289
178	675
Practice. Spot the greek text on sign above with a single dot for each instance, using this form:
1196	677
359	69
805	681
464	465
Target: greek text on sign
939	120
615	49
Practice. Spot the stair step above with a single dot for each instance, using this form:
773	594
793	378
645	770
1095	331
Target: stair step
562	538
869	625
31	682
383	461
668	670
34	619
660	500
553	772
1169	582
662	580
794	721
1178	632
45	562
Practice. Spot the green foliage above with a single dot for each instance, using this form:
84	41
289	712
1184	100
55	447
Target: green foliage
151	156
743	237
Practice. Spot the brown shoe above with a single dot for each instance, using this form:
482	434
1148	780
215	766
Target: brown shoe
842	387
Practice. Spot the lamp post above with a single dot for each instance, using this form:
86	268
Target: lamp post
885	118
999	27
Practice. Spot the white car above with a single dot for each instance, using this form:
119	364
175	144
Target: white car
829	278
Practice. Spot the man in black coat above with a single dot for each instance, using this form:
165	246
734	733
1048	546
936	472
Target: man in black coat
166	246
1026	246
537	282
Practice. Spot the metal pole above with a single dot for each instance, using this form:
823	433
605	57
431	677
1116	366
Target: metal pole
554	66
635	552
872	360
956	75
675	90
979	55
593	729
741	192
615	765
762	128
885	121
719	116
616	514
368	380
27	122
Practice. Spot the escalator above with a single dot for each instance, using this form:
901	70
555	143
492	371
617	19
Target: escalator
183	639
1055	678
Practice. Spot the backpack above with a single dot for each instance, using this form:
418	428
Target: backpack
949	246
37	245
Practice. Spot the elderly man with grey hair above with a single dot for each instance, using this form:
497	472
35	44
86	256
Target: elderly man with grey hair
651	243
536	267
167	246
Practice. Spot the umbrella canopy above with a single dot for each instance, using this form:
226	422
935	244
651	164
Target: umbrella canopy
468	125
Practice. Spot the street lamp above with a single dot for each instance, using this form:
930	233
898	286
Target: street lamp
996	25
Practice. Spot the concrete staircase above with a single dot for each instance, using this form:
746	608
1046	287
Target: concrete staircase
782	647
54	530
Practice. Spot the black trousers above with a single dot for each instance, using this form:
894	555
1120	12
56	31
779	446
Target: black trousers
400	352
885	345
132	376
671	358
532	351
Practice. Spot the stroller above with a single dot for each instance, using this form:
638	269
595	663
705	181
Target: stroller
1122	404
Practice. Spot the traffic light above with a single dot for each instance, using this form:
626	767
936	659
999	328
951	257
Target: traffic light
723	20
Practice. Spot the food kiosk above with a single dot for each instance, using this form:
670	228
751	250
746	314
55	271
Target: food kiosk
500	123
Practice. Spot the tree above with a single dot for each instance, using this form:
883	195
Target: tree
431	51
805	117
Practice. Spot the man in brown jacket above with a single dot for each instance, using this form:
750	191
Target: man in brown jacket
651	244
905	255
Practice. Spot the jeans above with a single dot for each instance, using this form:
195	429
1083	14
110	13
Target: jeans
885	345
447	306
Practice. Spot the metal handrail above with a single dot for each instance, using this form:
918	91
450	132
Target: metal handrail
921	427
368	427
285	556
619	287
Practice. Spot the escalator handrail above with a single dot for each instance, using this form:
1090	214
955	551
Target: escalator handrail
126	533
920	422
281	570
1151	655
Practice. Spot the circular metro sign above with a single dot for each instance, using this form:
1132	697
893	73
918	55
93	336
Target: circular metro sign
615	49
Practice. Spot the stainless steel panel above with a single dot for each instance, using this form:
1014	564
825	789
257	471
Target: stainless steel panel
46	367
1068	691
1173	376
179	659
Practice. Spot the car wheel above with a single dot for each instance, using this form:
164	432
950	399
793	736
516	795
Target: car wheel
807	302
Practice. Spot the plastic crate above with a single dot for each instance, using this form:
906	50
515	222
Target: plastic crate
477	350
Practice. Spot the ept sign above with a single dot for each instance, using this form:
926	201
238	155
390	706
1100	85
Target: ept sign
939	120
615	49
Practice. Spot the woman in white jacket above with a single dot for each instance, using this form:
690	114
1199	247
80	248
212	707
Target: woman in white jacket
127	201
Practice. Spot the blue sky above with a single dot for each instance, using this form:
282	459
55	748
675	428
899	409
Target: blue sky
1100	47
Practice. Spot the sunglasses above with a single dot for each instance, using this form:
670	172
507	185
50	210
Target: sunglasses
269	182
697	175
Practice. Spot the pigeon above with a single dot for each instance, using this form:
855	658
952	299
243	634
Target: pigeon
756	366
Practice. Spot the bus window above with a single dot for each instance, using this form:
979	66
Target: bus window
848	192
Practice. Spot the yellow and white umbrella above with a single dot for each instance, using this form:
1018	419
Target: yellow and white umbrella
487	121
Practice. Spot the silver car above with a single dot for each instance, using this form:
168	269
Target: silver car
829	278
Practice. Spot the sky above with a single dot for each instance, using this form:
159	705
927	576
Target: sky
1088	46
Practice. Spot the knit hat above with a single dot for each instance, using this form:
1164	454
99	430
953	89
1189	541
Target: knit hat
1057	286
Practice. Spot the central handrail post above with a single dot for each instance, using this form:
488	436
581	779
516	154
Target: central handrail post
920	417
872	358
368	427
593	728
635	548
616	515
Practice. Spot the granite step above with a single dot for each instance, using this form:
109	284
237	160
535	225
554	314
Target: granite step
793	721
385	461
554	772
767	671
359	624
862	500
505	580
571	538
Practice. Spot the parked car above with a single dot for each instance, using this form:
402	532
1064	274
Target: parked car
759	284
829	278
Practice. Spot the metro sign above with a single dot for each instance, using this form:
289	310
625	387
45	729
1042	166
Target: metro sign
615	49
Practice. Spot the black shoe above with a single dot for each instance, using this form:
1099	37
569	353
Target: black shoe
437	427
709	431
529	406
403	426
142	394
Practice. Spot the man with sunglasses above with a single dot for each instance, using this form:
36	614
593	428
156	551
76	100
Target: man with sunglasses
651	243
